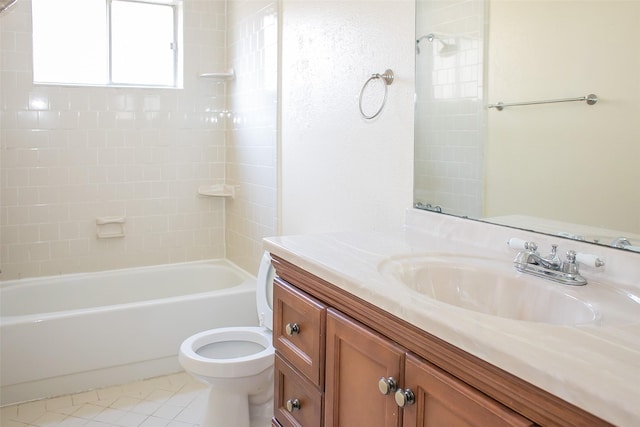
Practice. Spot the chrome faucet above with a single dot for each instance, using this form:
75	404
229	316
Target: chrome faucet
551	266
621	242
531	256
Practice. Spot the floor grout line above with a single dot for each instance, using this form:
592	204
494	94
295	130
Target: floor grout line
175	400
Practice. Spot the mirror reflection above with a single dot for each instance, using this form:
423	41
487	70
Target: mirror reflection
568	168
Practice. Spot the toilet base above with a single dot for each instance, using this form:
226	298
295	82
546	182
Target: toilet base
228	408
261	408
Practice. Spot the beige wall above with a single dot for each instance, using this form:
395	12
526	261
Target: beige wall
569	162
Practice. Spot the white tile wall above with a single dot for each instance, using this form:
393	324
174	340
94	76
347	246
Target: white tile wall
252	136
71	154
450	116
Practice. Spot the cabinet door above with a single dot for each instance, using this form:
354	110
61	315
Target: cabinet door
443	400
356	359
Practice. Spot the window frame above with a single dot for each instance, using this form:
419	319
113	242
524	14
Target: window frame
177	44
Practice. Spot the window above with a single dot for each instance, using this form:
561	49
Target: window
106	42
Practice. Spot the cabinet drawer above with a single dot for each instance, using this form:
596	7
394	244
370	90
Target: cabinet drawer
299	330
297	402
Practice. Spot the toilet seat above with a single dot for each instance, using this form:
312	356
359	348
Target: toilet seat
231	367
244	365
264	291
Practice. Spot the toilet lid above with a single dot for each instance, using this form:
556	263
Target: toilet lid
264	292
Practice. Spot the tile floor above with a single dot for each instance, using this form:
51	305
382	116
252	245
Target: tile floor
169	401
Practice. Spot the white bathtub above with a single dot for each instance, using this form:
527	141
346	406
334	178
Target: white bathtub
64	334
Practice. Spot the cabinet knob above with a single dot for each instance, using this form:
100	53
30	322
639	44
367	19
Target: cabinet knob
292	328
405	398
387	385
293	404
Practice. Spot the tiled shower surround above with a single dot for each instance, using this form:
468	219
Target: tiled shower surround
72	154
251	146
450	123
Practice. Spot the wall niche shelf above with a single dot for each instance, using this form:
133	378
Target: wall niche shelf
217	190
227	75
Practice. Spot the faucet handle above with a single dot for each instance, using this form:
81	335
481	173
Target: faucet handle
521	244
571	257
570	266
574	257
588	259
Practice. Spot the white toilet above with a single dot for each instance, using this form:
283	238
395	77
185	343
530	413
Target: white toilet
237	363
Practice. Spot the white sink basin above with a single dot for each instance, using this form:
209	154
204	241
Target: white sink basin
495	288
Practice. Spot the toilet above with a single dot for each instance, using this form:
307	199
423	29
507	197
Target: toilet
237	364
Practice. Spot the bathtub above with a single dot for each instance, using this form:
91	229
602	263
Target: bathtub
69	333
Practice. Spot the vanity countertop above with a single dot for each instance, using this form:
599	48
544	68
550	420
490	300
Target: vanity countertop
594	366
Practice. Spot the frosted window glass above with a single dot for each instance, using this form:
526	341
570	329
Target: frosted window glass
142	43
104	42
70	47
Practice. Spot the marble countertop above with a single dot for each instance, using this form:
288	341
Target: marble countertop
595	366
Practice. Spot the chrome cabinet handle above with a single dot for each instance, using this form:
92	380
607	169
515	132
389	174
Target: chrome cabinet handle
405	398
293	404
387	385
292	328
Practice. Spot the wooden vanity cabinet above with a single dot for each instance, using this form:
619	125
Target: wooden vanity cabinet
297	401
339	385
358	358
299	339
442	400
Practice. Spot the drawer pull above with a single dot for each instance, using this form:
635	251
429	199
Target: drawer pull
387	385
292	329
405	398
293	404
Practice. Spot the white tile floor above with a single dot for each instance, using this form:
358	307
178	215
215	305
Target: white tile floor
170	401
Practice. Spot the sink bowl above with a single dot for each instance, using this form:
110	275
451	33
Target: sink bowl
491	287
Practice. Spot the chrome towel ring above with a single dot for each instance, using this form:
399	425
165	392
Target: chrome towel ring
387	78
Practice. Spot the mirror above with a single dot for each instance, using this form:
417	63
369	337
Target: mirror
6	4
568	169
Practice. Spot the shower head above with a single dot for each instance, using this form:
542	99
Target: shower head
6	4
418	42
447	49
